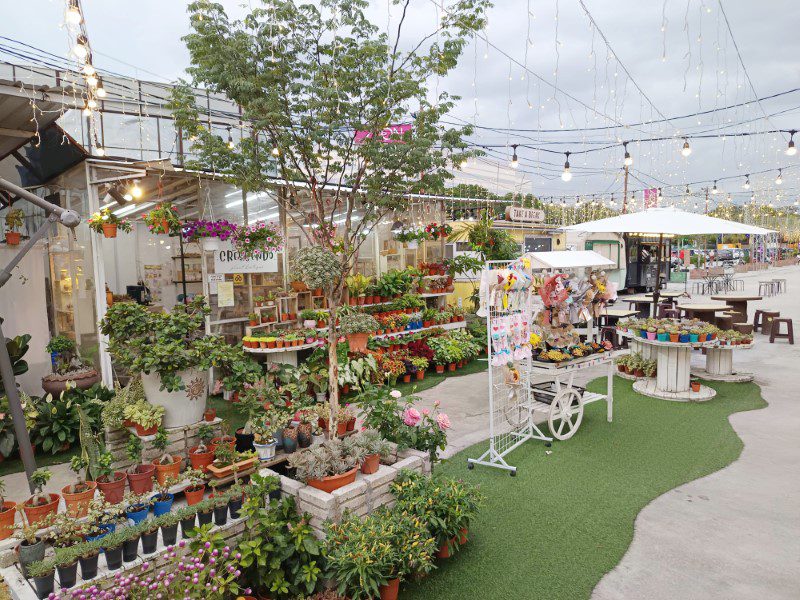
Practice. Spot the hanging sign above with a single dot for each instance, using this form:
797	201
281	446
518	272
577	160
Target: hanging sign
651	198
524	215
229	260
387	135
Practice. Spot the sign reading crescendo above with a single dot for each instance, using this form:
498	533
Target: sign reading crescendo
229	260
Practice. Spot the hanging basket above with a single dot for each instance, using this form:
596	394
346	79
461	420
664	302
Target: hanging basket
110	230
209	244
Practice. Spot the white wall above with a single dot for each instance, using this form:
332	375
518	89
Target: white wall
23	307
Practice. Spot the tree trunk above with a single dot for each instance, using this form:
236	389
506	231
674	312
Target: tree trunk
333	364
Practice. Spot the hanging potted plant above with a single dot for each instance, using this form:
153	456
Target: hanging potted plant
209	233
78	495
255	240
140	476
163	219
168	466
411	236
40	505
107	223
357	327
15	218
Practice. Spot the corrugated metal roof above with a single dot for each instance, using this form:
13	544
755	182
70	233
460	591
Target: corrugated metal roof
20	118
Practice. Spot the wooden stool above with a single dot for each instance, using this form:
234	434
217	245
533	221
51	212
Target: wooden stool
775	334
662	308
744	328
724	322
757	319
766	320
672	313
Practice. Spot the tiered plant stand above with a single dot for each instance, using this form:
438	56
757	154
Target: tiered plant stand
673	377
719	365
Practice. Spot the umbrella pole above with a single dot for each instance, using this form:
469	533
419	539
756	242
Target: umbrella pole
657	290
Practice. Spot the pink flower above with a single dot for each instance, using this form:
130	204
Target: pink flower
395	394
443	421
437	403
411	417
426	412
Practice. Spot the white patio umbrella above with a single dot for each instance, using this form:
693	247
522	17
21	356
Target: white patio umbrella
666	221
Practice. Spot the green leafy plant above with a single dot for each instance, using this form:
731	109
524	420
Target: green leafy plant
15	218
357	323
317	267
144	414
106	216
163	218
57	423
39	479
332	457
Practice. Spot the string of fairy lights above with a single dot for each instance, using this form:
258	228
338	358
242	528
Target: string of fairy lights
525	150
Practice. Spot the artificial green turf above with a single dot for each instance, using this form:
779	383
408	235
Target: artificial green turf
567	518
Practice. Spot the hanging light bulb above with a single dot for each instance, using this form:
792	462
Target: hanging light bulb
779	178
567	174
135	190
100	151
91	103
127	197
463	163
714	190
88	69
87	112
628	159
687	149
100	91
790	149
73	16
81	48
91	81
514	159
275	151
746	184
231	145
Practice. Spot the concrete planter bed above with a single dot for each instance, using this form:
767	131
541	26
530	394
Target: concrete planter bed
364	495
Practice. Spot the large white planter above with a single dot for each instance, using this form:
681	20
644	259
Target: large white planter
184	407
210	244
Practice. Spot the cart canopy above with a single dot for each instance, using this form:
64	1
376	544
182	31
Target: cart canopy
567	259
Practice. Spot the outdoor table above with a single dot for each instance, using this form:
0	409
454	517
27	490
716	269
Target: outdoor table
610	315
668	295
673	374
703	311
738	304
719	365
642	304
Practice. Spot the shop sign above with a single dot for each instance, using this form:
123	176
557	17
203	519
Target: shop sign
387	135
228	259
524	215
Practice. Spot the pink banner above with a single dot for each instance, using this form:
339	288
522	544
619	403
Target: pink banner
388	135
651	198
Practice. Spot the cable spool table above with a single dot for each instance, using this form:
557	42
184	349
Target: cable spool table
719	365
673	376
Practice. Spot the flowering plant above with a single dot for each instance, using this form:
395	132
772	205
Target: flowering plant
435	231
403	423
221	229
258	238
410	234
163	218
106	217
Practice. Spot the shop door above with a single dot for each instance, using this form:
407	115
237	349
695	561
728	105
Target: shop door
538	244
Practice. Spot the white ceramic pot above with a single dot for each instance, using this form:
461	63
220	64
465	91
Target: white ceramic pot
227	395
184	407
322	397
310	324
412	245
265	451
210	244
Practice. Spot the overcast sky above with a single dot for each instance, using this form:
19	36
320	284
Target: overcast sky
680	56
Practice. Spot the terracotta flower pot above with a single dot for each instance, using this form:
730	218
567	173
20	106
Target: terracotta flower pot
200	460
34	514
351	424
77	504
440	369
113	490
210	414
358	342
141	480
13	237
407	378
163	472
695	386
110	230
7	514
193	496
371	463
334	482
444	550
228	440
390	590
420	375
451	367
462	536
141	431
341	428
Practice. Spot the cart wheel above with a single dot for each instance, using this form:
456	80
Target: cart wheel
470	466
548	444
566	414
513	473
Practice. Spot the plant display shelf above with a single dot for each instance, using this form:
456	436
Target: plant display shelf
673	371
436	295
719	365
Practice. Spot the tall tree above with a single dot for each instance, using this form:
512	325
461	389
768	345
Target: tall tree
307	79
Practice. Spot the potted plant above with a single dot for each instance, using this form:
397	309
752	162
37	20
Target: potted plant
167	465
257	239
357	327
289	439
163	219
15	218
649	367
8	511
163	499
31	547
106	222
68	367
187	517
205	512
137	506
309	317
150	535
251	406
130	547
78	495
40	505
695	384
112	548
145	416
227	460
328	466
140	476
223	440
365	569
196	488
42	573
265	442
209	233
201	455
374	448
169	528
